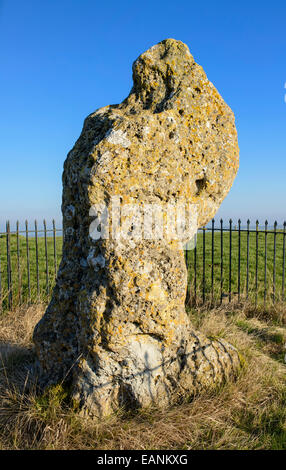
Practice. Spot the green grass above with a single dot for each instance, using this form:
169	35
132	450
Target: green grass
38	290
21	293
232	286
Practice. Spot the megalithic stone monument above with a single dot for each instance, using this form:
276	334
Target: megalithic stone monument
116	327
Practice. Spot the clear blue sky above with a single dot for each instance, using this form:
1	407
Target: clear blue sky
62	59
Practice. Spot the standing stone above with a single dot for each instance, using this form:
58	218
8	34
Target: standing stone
116	327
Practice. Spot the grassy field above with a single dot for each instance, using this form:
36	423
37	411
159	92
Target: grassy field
24	275
264	289
40	287
249	413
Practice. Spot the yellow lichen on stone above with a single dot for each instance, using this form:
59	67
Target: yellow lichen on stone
119	304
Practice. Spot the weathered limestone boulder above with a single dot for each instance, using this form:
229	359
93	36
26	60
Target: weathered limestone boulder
116	327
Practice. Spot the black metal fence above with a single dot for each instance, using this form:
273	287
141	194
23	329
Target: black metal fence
229	263
29	258
235	262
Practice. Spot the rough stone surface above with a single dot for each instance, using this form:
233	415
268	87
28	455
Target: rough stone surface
116	326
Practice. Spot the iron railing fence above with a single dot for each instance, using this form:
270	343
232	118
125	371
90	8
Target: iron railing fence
235	262
29	259
229	263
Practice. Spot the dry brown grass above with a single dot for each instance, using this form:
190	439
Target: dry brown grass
249	413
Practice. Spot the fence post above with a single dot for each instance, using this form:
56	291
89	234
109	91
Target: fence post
221	260
28	259
18	264
238	264
256	264
230	258
55	247
283	262
247	260
265	264
212	273
274	261
46	257
9	267
37	259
